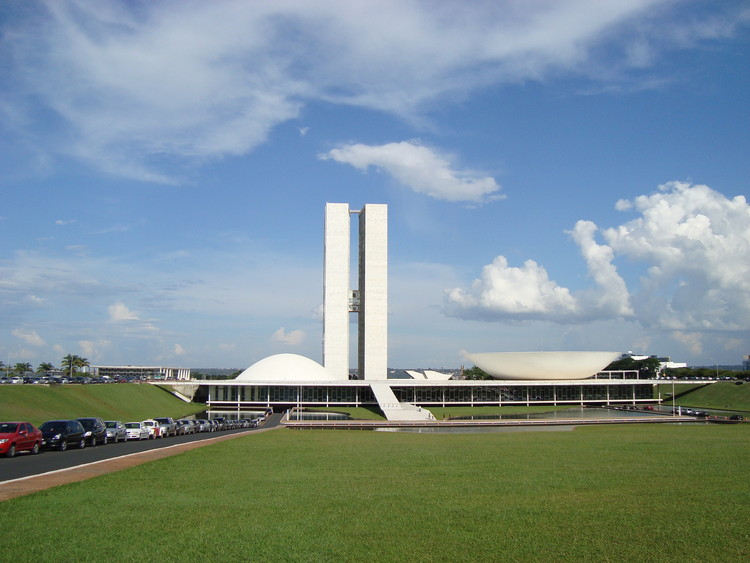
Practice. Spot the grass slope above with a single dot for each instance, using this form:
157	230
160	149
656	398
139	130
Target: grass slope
723	395
122	401
612	493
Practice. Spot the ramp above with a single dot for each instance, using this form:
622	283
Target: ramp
395	410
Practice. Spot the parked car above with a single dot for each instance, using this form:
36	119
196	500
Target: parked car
155	430
62	433
96	431
18	437
168	425
116	431
136	431
186	426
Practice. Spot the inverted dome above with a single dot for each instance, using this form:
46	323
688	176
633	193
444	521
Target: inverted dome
542	366
286	367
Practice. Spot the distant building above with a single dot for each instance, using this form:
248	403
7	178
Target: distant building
745	363
145	372
665	362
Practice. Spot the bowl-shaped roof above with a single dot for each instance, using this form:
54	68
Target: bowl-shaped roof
286	367
542	365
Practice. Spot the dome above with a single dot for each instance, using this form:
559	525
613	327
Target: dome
286	367
542	366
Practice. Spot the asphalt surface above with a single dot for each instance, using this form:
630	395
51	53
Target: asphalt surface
24	464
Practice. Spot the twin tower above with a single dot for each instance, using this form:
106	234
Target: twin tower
369	300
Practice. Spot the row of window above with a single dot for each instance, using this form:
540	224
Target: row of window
266	394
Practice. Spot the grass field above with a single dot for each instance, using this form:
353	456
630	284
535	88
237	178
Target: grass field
123	401
615	493
722	395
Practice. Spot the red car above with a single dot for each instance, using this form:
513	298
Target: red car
19	436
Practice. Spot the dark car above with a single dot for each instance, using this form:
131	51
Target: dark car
61	433
96	430
19	436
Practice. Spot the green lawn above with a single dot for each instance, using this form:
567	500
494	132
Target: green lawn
121	401
723	395
611	493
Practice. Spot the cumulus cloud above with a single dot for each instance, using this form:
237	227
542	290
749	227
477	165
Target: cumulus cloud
28	336
419	168
124	85
178	350
505	291
692	242
696	243
291	338
119	312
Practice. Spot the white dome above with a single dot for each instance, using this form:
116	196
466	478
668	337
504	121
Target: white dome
542	366
286	367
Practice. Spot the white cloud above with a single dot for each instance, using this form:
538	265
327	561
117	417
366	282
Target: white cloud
610	297
119	312
505	291
420	169
697	244
178	350
292	338
121	85
28	336
95	350
693	242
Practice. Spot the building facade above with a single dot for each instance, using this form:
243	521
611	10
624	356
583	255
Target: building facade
369	301
144	372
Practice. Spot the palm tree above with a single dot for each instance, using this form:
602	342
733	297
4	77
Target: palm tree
69	364
72	363
44	367
22	367
81	362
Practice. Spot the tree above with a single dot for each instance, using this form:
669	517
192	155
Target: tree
44	367
82	362
647	369
70	364
22	367
476	373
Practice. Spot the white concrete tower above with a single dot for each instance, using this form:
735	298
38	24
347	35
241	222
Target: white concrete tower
373	292
336	290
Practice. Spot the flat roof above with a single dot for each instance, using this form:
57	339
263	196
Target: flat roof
429	383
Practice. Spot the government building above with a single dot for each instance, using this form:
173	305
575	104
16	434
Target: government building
285	381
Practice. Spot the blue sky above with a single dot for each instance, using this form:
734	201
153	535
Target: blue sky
560	175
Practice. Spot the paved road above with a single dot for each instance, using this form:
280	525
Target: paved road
24	464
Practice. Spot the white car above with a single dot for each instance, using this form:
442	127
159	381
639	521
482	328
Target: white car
155	429
136	431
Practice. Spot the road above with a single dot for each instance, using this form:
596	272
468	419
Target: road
25	464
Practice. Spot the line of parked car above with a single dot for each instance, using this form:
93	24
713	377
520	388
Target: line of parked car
91	431
39	379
